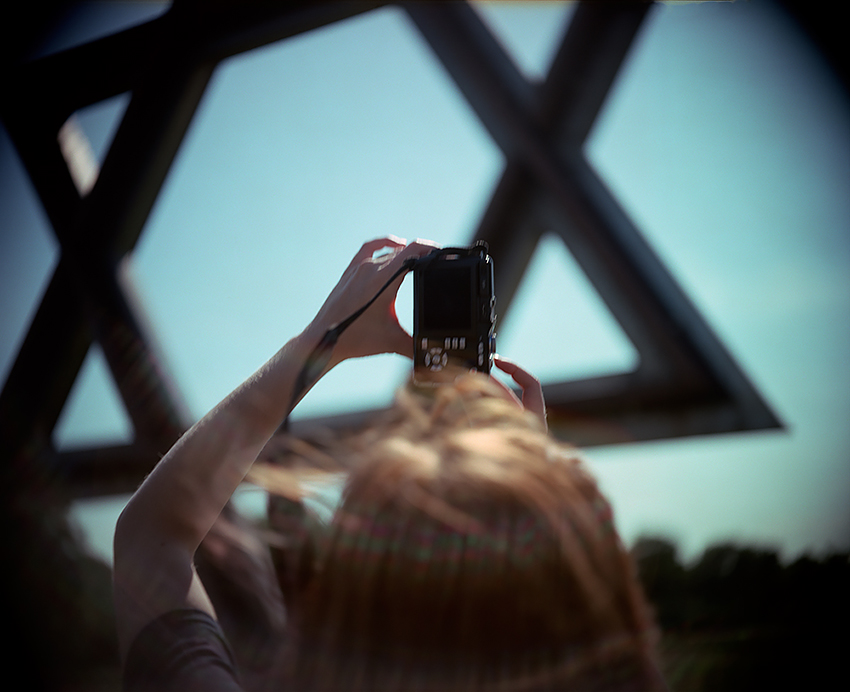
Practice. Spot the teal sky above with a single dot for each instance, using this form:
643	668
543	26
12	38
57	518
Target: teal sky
725	138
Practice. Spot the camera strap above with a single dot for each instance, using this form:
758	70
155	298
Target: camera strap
320	356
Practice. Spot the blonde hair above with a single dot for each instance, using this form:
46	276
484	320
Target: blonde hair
471	550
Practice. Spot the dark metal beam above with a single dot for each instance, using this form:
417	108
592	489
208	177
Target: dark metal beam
512	109
59	335
44	371
102	471
680	356
585	67
564	107
94	233
63	82
686	382
230	27
165	64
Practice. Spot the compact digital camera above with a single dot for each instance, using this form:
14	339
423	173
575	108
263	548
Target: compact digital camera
454	312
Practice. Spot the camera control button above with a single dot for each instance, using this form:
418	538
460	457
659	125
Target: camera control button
436	359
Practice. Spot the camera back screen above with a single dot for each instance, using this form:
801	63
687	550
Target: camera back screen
448	303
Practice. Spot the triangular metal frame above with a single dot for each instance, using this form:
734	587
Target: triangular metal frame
686	382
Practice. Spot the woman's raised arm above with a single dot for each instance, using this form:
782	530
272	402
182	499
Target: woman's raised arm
167	518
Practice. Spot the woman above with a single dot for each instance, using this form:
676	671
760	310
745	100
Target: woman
469	552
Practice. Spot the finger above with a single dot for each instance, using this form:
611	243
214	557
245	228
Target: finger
369	248
417	248
532	391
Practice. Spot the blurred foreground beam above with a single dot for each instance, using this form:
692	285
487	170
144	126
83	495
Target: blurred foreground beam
98	216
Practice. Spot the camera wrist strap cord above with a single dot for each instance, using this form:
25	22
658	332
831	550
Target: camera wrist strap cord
321	354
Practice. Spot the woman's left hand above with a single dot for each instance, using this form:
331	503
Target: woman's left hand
532	391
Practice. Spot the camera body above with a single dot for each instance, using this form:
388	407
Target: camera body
454	312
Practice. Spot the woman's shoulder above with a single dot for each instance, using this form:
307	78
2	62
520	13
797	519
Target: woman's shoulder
183	650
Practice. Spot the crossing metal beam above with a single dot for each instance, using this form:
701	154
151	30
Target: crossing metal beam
686	382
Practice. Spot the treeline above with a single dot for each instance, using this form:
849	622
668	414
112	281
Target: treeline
739	619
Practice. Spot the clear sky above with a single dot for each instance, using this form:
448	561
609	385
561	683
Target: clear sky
725	138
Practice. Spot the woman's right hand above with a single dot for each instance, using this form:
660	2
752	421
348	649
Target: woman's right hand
377	330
